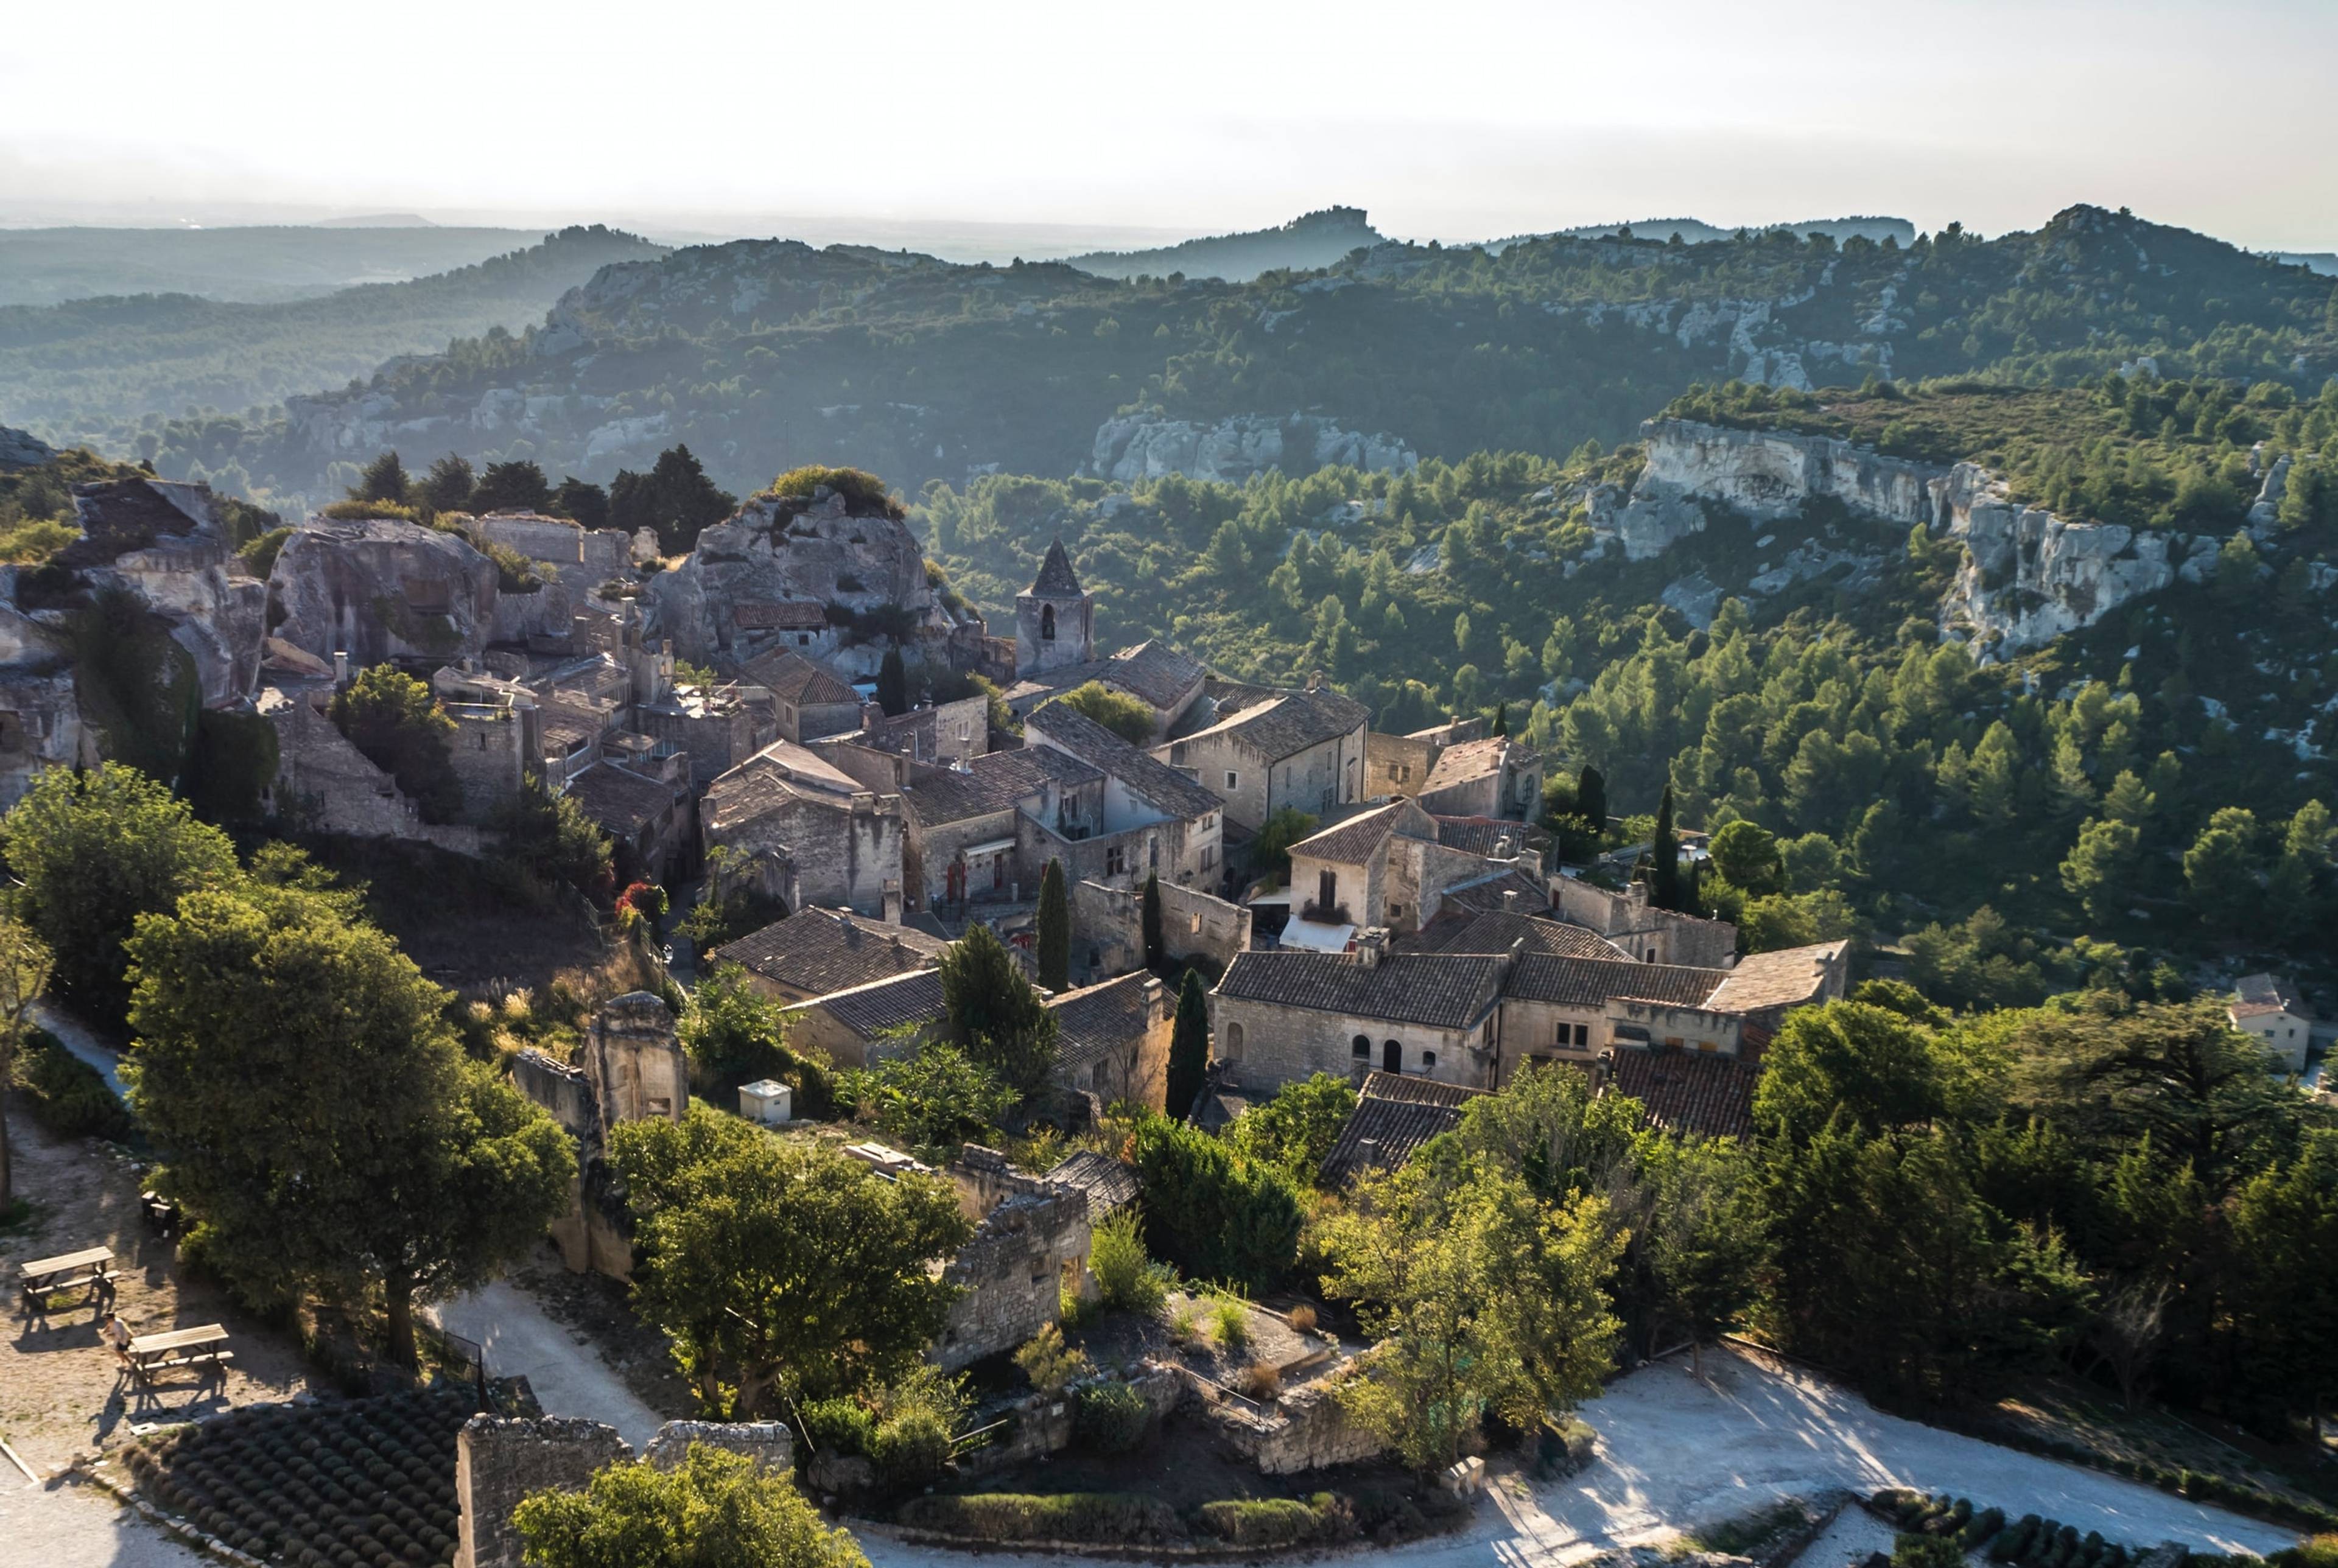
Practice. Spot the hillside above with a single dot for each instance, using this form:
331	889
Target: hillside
50	266
920	369
1306	243
1694	231
71	372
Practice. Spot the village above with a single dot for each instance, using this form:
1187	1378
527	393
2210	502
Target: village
1026	927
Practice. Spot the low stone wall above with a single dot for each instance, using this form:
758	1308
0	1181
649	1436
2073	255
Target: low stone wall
1193	924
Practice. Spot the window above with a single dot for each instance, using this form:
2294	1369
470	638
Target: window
1234	779
1116	860
803	638
1048	623
1209	856
1360	1048
1391	1056
1197	922
1396	911
1578	1035
1327	891
1428	1061
1234	1042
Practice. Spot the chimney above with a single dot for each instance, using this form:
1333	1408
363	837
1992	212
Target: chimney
893	904
1503	847
341	666
1315	681
1510	900
1371	945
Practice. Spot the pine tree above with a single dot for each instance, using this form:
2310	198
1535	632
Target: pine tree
1054	930
893	684
1663	876
1189	1047
384	479
1155	947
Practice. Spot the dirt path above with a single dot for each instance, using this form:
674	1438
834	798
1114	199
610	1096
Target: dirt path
60	1391
76	1036
566	1369
1674	1453
68	1525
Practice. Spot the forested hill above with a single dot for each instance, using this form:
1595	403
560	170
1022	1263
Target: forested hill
256	265
1303	245
82	370
920	369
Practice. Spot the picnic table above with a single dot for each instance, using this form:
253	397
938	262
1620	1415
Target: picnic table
152	1353
86	1270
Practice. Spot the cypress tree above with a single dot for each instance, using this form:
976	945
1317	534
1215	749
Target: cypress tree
1501	718
1054	930
1663	876
893	684
1189	1047
1591	798
1155	947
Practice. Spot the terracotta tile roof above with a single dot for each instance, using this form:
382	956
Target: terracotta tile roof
1489	893
1082	737
1435	990
619	800
1493	932
1699	1092
1099	1021
780	616
1282	723
779	774
1108	1183
817	951
1591	981
1355	841
1785	978
792	678
2257	995
1469	759
1479	835
1056	579
905	1001
996	782
1394	1115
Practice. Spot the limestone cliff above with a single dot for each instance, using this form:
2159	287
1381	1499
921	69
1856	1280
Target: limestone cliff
777	550
2028	575
382	589
1147	447
168	544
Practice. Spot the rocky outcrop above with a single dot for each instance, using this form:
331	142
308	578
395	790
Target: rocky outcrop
167	544
774	550
2028	576
21	449
1148	446
382	589
40	716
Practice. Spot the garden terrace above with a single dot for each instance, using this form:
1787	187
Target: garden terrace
364	1484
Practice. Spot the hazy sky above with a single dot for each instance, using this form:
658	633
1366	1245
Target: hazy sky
1464	119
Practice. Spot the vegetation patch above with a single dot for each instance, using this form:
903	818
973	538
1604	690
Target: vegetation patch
67	1095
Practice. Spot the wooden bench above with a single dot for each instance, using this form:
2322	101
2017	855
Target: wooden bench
48	1276
204	1347
198	1358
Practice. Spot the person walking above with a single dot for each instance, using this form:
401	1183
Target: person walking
116	1335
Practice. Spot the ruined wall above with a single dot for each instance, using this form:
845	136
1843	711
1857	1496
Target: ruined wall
325	784
1012	1271
635	1063
499	1460
590	556
491	755
1109	922
1305	1429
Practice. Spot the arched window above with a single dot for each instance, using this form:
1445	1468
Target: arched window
1360	1049
1392	1057
1428	1061
1047	623
1234	1042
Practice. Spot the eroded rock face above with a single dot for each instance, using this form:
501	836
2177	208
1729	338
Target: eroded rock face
772	551
1146	446
167	544
2028	575
21	449
383	589
40	716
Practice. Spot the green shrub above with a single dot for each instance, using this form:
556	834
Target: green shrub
910	1446
67	1095
1125	1274
260	554
1104	1518
1113	1417
838	1426
1272	1520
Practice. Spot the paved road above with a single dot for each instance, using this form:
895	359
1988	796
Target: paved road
569	1378
75	1037
66	1525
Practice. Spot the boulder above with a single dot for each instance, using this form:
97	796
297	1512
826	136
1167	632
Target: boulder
383	589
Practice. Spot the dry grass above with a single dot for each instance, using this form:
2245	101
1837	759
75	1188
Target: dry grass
1263	1381
1302	1317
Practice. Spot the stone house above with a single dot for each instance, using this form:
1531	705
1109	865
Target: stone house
1392	865
1108	927
1268	749
1277	1017
982	833
1763	987
1495	776
954	731
1114	1039
812	700
1168	682
814	952
807	832
761	626
1687	1091
874	1020
1400	764
1395	1115
1628	920
647	812
2267	1009
1153	819
719	727
590	556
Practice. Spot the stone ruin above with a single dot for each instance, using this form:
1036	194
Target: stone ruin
500	1460
629	1068
1030	1241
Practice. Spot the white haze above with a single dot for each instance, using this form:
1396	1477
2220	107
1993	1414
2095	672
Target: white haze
1468	119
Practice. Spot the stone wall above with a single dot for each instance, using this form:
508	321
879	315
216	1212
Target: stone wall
1268	1046
1012	1272
1655	935
630	1068
492	757
845	852
592	556
1305	1429
325	784
1397	764
1110	922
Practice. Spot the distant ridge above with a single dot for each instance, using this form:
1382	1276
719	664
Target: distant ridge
377	221
2323	261
1303	244
1696	231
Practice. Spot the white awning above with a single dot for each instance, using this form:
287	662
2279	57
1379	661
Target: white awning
1316	936
995	847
